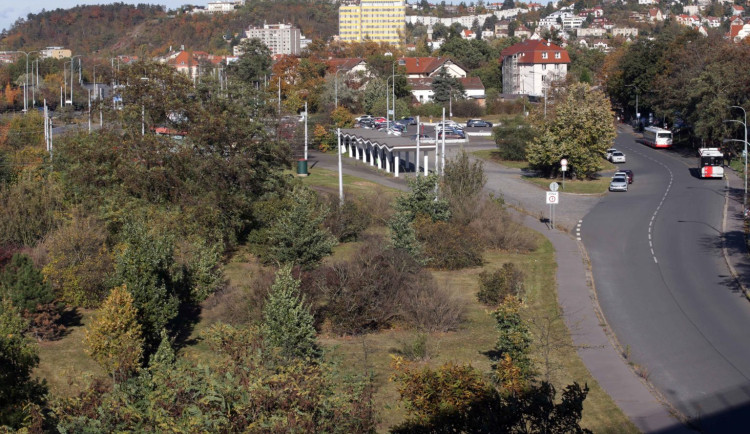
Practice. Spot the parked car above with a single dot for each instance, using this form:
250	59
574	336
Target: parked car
408	120
421	137
480	123
609	153
366	123
449	123
451	133
617	157
360	118
619	183
629	174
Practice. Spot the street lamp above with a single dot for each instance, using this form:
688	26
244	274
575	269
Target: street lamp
387	104
637	92
71	77
744	126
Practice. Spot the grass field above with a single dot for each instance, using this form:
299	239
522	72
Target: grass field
66	366
595	186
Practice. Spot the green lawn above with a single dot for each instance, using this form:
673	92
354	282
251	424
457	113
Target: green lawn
596	186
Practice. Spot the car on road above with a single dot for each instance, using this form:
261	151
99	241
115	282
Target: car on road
629	174
617	157
619	183
451	133
478	123
609	153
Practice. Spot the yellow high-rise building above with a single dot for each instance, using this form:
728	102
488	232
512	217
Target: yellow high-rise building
377	20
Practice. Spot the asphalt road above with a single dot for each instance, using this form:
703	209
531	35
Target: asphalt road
666	291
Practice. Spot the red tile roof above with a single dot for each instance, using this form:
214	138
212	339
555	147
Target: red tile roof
346	63
532	51
422	65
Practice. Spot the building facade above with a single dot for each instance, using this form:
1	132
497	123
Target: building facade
279	38
56	53
376	20
530	66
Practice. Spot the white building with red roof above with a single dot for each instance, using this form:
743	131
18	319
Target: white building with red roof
189	62
530	66
419	67
738	10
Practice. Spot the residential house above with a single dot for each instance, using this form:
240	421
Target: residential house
191	62
421	88
691	9
529	66
647	2
712	22
223	6
738	31
55	53
591	31
654	15
422	67
738	10
601	44
624	31
522	32
468	34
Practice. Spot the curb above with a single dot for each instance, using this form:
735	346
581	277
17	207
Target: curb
724	251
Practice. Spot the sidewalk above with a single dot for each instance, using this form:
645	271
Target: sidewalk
733	229
575	295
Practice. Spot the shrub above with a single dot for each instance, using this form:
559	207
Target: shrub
414	348
448	245
467	108
45	323
494	286
513	136
28	210
346	222
79	262
24	285
378	288
463	182
499	230
429	109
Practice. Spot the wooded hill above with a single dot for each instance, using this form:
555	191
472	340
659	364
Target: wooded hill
149	30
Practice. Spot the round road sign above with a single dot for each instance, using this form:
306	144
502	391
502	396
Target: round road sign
563	162
553	186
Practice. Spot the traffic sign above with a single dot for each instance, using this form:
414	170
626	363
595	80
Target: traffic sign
563	162
552	198
564	168
553	186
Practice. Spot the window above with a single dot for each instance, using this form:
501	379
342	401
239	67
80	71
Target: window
544	55
557	55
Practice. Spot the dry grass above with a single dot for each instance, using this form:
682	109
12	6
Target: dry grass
494	156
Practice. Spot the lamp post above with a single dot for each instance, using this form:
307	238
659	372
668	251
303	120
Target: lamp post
637	92
387	104
26	79
393	89
71	78
744	126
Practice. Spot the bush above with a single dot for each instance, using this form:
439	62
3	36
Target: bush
467	108
499	230
414	348
45	323
494	286
346	222
378	288
429	109
79	262
449	246
512	138
463	182
28	210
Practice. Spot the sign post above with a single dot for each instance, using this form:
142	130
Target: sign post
552	200
563	168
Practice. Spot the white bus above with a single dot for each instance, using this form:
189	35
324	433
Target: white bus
712	162
657	137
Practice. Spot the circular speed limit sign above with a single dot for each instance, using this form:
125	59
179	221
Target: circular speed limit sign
552	197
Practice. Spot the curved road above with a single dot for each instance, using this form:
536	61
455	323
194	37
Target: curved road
666	291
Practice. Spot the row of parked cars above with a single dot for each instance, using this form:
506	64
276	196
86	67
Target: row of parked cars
449	128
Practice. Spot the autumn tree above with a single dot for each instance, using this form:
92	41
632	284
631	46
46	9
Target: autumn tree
580	130
287	321
114	338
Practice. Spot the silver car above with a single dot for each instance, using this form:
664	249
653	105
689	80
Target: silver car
617	157
619	183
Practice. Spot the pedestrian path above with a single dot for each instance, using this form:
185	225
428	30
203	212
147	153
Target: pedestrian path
576	295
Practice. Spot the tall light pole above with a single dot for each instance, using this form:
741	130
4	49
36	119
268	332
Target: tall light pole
744	126
71	78
26	79
637	92
393	89
387	104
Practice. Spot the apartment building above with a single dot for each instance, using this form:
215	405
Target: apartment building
279	38
56	53
530	66
376	20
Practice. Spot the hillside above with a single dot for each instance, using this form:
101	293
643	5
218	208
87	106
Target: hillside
148	30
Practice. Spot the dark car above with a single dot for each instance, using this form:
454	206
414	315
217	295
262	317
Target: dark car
409	120
452	133
629	173
366	123
478	123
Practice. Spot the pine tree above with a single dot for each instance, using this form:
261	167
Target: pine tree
24	285
114	338
298	236
287	321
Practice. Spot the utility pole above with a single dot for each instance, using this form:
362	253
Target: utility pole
341	176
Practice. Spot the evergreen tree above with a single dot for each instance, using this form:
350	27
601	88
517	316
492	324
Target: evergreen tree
514	341
446	87
18	357
287	321
144	267
422	199
298	236
24	285
114	338
254	63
